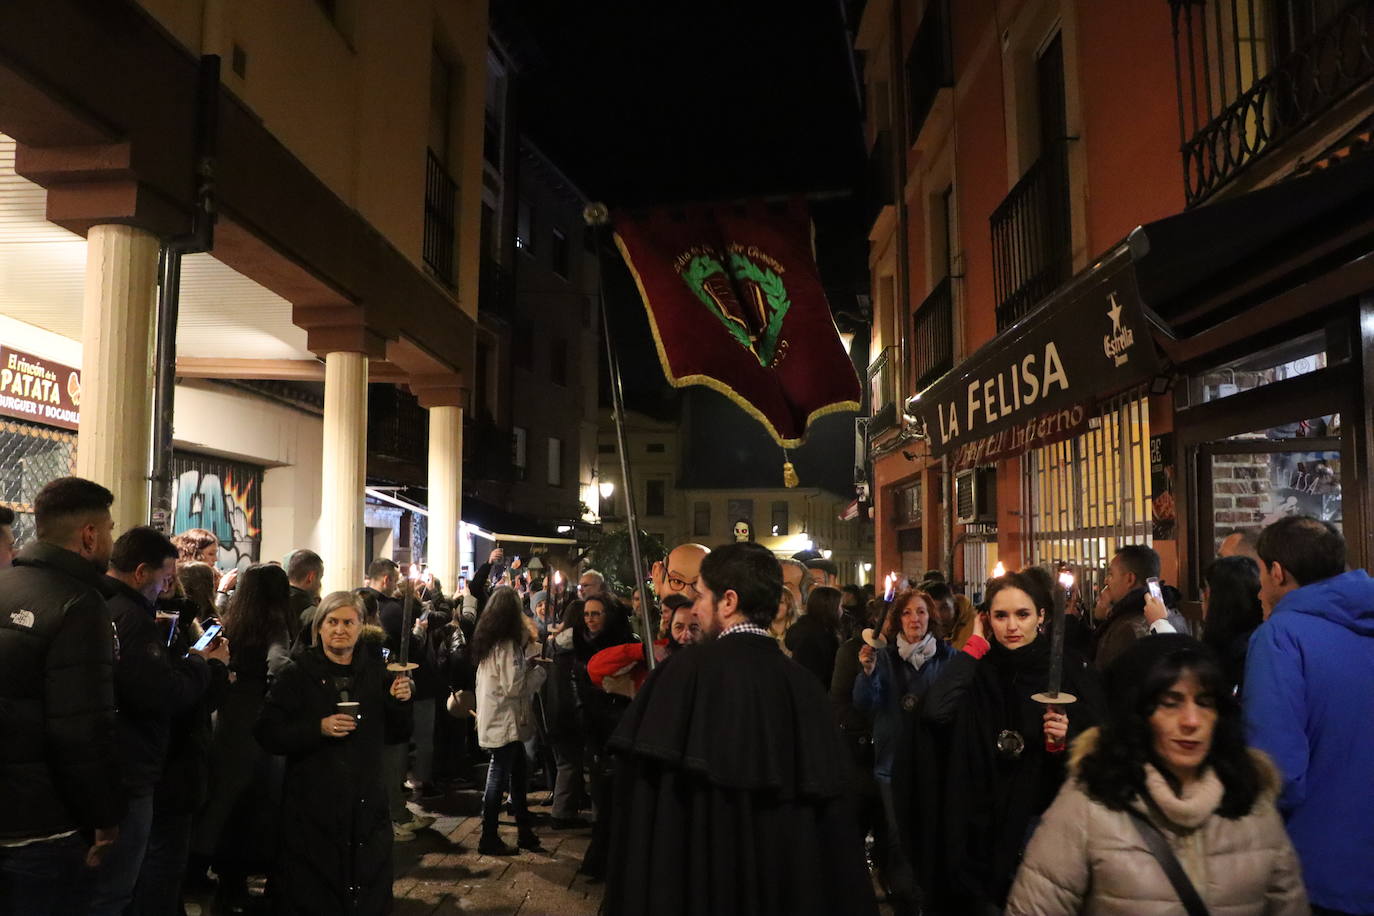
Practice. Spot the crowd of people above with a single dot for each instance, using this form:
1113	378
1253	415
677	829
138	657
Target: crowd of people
781	742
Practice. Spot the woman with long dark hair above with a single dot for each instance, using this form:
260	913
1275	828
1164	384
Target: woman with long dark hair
604	624
1168	769
330	711
890	686
1231	613
258	623
1005	753
507	680
815	638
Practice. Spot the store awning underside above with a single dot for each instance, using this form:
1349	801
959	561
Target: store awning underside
1172	287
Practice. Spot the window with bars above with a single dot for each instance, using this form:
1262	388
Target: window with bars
30	457
1087	496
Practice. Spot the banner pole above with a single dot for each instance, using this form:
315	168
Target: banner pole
597	217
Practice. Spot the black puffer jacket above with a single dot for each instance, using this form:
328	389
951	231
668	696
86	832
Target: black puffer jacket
150	686
58	755
334	856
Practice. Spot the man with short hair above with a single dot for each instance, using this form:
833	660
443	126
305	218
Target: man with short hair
797	580
590	583
1309	703
732	769
823	572
1240	543
150	688
1121	605
57	650
305	570
6	537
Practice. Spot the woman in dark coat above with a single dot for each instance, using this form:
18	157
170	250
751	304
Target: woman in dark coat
335	849
891	683
1231	613
999	774
604	624
815	638
245	779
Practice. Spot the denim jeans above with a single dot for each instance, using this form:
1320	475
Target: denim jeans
158	892
117	875
44	879
505	772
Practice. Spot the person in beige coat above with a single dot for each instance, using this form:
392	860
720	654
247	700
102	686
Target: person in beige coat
1172	750
503	646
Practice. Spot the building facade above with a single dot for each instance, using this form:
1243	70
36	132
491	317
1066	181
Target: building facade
1115	257
344	252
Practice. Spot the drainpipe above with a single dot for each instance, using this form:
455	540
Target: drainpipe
201	238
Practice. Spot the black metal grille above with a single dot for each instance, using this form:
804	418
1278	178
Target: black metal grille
441	204
882	390
932	331
929	65
30	457
1031	242
1249	75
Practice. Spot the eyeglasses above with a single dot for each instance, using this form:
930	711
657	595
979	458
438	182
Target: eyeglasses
677	583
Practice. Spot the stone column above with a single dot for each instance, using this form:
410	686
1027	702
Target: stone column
119	306
345	469
445	493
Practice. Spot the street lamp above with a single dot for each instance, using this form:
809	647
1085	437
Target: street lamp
606	488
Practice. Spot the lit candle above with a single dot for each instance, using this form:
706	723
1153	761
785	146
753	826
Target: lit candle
889	582
999	570
1066	580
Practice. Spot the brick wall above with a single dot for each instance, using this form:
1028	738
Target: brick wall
1240	492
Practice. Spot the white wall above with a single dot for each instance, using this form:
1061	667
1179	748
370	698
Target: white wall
218	420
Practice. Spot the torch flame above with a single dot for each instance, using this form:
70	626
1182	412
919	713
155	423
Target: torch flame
1066	580
889	583
557	577
999	570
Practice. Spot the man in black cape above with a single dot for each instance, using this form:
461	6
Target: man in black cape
732	790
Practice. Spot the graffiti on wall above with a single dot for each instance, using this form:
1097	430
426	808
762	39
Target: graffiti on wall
223	497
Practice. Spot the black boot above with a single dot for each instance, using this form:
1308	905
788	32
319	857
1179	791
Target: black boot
528	840
492	845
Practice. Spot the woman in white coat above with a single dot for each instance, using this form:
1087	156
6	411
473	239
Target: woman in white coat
503	647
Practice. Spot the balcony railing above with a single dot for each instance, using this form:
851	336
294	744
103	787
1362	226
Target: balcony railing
1250	75
883	389
441	206
932	333
881	186
1032	247
929	65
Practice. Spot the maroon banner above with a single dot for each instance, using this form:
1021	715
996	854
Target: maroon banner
39	390
1046	429
736	304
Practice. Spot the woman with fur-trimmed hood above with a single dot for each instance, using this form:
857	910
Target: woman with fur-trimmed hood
1172	752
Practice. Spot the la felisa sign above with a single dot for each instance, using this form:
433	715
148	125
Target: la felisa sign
39	390
1086	342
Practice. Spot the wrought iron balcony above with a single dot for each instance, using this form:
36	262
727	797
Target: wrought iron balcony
1250	75
1032	249
932	333
883	389
441	207
929	65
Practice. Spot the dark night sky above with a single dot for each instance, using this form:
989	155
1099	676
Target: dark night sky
667	101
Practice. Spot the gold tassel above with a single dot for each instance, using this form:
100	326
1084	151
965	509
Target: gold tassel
789	475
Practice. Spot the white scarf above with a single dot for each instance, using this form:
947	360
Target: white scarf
1197	803
916	653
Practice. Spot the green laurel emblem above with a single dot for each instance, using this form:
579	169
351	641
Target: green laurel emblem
756	322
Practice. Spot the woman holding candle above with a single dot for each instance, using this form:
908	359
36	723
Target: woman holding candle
329	712
1002	770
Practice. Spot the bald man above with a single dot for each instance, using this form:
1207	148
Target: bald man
1240	544
679	574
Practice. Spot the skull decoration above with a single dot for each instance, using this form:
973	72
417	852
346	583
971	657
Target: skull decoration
743	531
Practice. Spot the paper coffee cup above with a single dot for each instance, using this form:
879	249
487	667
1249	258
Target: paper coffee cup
351	709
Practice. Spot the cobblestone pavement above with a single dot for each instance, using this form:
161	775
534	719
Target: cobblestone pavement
440	873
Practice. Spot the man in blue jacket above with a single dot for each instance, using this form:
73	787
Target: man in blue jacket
1309	703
